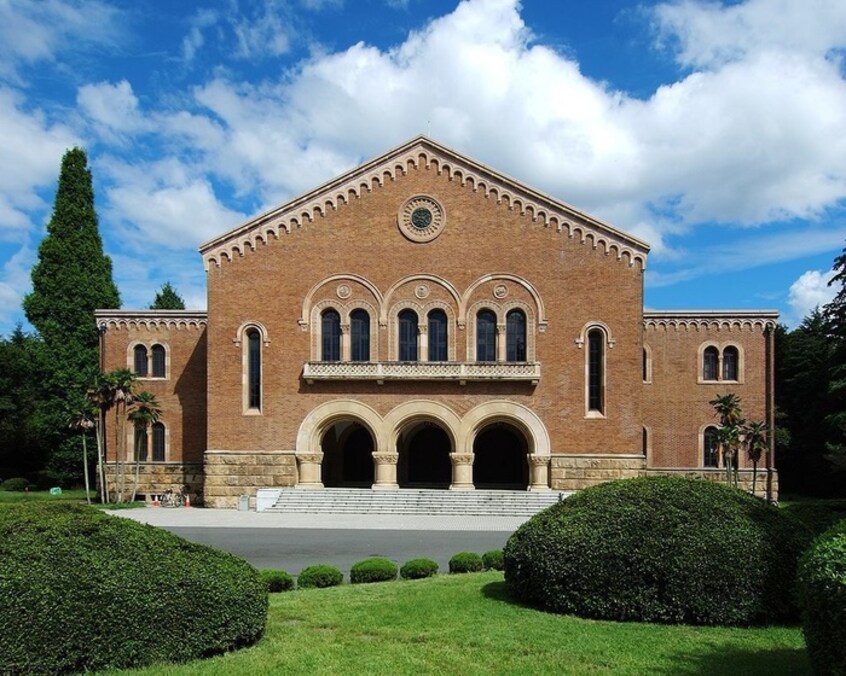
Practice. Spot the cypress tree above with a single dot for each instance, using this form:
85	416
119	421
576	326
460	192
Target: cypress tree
168	299
71	279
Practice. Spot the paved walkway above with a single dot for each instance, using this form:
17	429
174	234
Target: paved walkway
198	517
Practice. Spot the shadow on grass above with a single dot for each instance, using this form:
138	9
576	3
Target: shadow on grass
729	660
498	591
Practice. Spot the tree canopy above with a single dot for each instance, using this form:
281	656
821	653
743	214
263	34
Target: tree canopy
167	299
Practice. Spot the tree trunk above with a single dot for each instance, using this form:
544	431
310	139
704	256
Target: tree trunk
754	474
85	468
137	470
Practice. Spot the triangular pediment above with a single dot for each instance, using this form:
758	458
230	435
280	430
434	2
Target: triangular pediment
542	209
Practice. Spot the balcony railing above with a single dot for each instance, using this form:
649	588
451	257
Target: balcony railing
460	371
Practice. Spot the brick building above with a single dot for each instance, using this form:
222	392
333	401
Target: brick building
425	321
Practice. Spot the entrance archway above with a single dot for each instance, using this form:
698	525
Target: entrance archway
500	458
424	449
347	448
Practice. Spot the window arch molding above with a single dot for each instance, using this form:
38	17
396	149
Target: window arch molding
307	314
393	326
317	311
721	348
466	312
596	369
451	316
700	462
346	320
388	310
241	332
647	364
157	448
529	313
610	341
153	368
242	341
472	314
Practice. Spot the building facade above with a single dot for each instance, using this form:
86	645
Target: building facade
425	321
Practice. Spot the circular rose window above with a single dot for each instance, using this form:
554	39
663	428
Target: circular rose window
421	218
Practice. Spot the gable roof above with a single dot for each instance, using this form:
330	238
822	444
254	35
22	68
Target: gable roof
422	151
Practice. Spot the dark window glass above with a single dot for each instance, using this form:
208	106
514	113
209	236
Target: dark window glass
140	442
596	340
710	447
730	359
140	361
438	343
709	363
645	366
515	336
645	440
331	332
360	335
253	369
486	336
158	361
158	442
408	335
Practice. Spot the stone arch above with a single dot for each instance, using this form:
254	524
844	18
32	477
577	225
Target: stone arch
434	279
421	409
309	298
510	412
330	412
540	311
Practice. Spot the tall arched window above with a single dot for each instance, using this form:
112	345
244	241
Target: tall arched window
515	336
710	360
158	442
710	448
359	335
408	335
140	441
159	362
485	336
331	333
730	360
438	338
596	368
140	361
253	369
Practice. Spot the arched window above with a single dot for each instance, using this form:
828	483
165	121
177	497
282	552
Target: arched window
158	442
596	368
359	335
140	441
710	359
730	361
438	339
408	335
485	336
253	369
158	361
515	336
710	448
331	333
140	361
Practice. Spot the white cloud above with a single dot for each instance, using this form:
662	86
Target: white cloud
14	283
113	108
809	291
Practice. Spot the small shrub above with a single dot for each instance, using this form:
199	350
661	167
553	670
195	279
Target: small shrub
822	593
277	581
466	562
493	560
417	569
375	569
319	576
15	484
659	549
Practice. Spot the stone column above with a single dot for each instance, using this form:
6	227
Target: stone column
538	472
423	341
309	465
462	472
346	348
501	347
386	471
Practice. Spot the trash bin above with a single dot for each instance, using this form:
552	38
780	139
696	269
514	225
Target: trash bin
244	503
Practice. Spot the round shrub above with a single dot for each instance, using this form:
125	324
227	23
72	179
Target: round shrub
417	569
15	484
277	581
659	549
375	569
83	591
319	576
466	562
493	560
822	594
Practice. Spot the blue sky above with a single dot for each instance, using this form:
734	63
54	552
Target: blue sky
715	131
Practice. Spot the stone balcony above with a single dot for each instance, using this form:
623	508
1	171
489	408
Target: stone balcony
458	371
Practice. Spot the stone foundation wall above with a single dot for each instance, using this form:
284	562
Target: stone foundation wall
230	474
154	478
574	472
744	479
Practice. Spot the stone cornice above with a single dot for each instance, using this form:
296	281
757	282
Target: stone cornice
711	319
150	319
423	152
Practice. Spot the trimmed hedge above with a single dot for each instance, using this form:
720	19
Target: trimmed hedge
375	569
277	581
319	576
84	591
417	569
493	560
822	593
466	562
15	484
659	549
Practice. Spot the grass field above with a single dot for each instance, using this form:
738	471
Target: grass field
466	624
77	495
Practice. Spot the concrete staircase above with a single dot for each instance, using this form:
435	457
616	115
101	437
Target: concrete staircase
405	501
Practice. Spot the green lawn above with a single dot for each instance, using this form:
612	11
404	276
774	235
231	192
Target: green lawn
76	495
466	624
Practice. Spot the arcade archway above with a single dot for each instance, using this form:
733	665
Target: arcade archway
424	462
347	448
500	458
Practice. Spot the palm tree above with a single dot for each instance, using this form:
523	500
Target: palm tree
727	407
82	421
145	411
755	439
123	383
101	398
